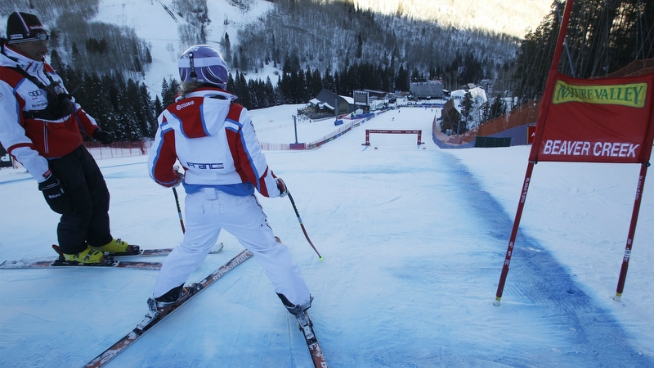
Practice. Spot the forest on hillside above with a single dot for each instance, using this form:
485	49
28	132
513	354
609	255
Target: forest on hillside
86	46
603	36
334	35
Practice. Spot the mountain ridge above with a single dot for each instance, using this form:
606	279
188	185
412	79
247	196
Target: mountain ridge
157	23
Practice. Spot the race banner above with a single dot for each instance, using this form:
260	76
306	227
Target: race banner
599	120
5	159
583	120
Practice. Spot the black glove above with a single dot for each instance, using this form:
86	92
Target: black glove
283	191
103	137
55	195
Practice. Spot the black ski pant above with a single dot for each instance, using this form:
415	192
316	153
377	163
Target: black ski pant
88	221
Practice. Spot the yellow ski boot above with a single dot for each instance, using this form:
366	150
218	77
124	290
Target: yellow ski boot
89	255
116	246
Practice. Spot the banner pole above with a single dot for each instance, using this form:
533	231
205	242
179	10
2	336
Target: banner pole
514	234
551	83
632	231
535	147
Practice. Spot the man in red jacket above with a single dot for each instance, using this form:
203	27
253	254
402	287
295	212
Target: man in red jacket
40	127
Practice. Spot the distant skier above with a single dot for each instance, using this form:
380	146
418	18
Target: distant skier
40	126
214	140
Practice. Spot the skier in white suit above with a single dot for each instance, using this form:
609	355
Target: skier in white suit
214	140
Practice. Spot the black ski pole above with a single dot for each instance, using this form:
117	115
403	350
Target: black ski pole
302	225
179	210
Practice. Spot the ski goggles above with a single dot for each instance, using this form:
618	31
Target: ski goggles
31	37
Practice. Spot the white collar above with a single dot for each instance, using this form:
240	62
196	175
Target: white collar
15	59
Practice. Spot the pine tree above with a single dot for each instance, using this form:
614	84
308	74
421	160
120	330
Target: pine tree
165	90
497	108
301	91
55	61
146	112
244	59
402	79
467	106
168	91
230	83
227	48
316	84
359	51
75	54
158	107
328	81
135	121
148	56
269	92
111	120
242	87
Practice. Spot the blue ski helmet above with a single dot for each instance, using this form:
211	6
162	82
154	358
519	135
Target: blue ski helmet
204	64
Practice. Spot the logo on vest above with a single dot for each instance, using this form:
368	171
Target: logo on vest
185	104
206	166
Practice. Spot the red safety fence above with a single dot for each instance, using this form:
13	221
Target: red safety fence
118	149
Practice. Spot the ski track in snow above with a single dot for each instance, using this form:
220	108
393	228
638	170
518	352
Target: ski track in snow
594	337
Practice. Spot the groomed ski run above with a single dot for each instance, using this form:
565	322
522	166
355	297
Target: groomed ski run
152	320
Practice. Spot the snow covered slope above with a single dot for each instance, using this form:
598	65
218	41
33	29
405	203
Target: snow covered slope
413	242
153	22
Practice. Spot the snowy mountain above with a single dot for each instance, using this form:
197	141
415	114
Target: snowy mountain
166	30
160	28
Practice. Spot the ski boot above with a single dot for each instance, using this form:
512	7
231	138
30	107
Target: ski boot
295	309
89	255
300	312
164	303
118	247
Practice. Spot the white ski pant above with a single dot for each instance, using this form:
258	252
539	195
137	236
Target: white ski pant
208	211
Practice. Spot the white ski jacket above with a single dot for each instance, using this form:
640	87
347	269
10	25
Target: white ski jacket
214	140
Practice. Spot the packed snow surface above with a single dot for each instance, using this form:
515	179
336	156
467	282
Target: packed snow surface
413	239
